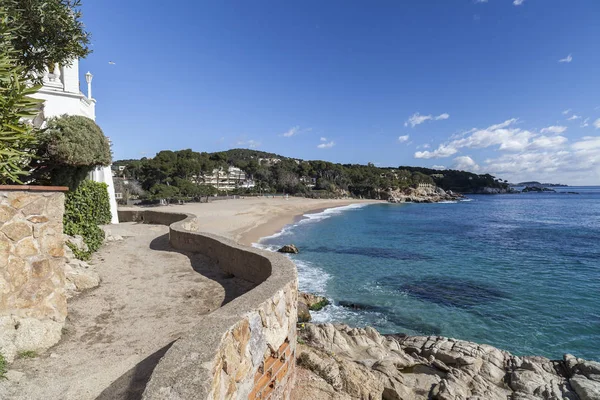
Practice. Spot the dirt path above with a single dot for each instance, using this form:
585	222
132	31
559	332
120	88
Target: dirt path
115	334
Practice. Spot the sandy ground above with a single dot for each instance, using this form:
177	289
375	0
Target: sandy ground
149	296
249	219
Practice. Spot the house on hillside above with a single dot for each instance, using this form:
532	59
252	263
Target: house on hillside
227	179
62	95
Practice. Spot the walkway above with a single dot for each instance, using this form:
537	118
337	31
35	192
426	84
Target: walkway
115	334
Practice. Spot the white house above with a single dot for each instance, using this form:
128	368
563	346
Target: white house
62	96
228	179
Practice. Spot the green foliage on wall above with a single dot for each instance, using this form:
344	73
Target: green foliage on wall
70	147
85	208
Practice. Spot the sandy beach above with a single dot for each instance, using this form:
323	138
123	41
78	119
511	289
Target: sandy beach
249	219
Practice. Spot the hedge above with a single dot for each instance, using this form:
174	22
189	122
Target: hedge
85	208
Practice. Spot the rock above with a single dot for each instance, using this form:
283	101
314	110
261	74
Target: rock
109	236
77	242
314	302
586	389
289	248
338	361
303	313
79	276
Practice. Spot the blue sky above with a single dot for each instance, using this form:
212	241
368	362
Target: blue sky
449	83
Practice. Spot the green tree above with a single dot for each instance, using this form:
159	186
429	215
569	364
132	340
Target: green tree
70	147
46	32
17	138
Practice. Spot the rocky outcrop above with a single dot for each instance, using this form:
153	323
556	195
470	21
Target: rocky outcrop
339	362
289	249
425	194
79	275
309	302
490	190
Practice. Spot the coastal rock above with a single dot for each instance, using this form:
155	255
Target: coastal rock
423	194
309	302
289	248
303	312
341	362
313	301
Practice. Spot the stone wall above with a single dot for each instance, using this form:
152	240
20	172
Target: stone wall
243	350
33	305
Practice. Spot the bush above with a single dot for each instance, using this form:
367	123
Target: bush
85	208
70	148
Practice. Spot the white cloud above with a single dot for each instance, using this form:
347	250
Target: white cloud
440	167
465	163
504	137
293	131
585	123
518	2
480	1
251	144
519	154
323	139
440	152
403	138
554	129
567	59
566	112
547	142
417	119
588	143
574	117
326	145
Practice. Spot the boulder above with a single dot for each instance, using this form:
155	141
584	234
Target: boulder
289	249
314	302
585	388
77	242
303	313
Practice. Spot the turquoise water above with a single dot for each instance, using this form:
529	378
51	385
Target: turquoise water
520	272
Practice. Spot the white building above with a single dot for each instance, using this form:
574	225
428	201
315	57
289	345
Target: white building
229	179
62	96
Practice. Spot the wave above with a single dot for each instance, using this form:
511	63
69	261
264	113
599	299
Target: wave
313	217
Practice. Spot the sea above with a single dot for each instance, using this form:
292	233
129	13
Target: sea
520	272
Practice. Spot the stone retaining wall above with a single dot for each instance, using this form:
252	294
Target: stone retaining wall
243	350
33	305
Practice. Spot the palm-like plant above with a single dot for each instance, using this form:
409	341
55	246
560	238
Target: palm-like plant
17	108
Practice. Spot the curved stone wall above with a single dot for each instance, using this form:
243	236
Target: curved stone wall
243	350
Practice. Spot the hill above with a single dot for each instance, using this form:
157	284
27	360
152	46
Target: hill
182	173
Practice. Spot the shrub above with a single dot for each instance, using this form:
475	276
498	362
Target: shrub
2	366
70	147
85	208
17	138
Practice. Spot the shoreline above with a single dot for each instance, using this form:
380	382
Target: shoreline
278	223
